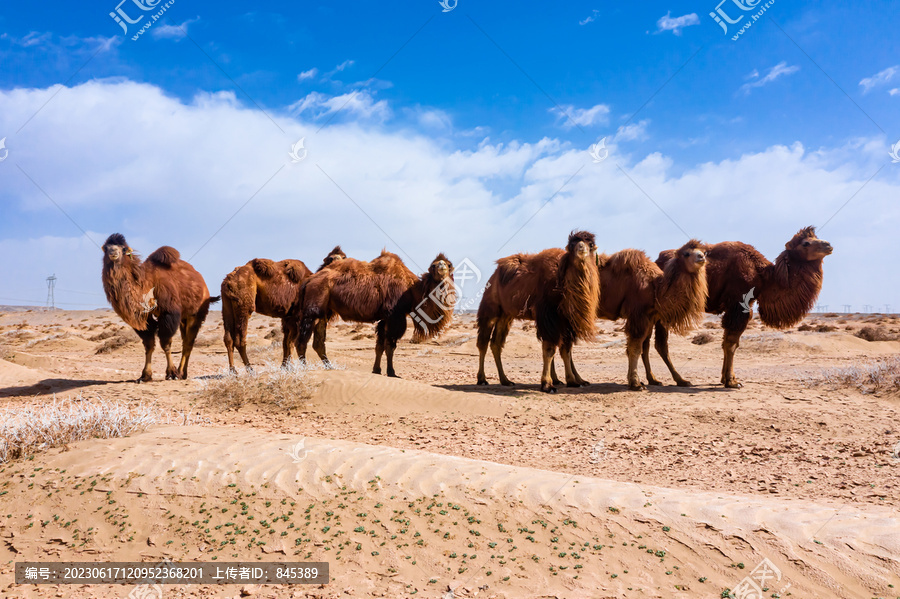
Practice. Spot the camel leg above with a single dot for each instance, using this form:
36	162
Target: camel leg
379	346
485	328
148	338
662	348
645	356
304	332
548	351
228	326
637	329
168	324
393	332
581	382
553	376
190	329
498	340
288	337
734	323
319	341
565	353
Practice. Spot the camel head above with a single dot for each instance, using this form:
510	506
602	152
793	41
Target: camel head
692	255
582	245
116	248
334	255
441	269
805	246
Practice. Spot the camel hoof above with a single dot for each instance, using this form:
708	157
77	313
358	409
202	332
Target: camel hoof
393	375
572	385
733	384
655	383
482	382
507	383
376	371
638	387
548	389
585	383
143	380
685	384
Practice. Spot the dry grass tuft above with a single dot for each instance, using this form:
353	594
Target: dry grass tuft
118	340
31	428
872	377
271	386
875	334
702	338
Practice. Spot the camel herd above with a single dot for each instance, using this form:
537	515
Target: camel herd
564	291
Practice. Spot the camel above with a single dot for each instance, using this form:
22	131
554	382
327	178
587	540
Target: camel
269	288
382	291
558	289
155	297
786	291
636	289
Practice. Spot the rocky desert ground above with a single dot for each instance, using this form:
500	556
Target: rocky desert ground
430	486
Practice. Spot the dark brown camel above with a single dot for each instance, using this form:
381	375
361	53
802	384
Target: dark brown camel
738	275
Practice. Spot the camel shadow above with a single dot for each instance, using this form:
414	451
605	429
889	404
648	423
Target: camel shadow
497	390
49	386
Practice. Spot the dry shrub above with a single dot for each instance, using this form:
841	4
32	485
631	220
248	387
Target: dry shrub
825	328
806	327
121	338
870	377
271	386
35	427
875	334
711	325
702	338
106	334
275	334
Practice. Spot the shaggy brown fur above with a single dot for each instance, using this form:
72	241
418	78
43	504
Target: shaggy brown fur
269	288
382	291
558	289
636	289
786	291
156	297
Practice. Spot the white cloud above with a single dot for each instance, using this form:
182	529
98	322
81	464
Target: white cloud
894	91
633	131
344	66
570	116
881	78
360	103
590	18
675	25
308	74
779	70
152	156
175	32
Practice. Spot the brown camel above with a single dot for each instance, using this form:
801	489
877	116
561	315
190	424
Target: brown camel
156	297
636	289
266	287
558	289
786	291
382	291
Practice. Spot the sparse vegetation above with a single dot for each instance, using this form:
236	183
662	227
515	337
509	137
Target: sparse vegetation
28	429
280	388
872	377
117	340
875	334
702	338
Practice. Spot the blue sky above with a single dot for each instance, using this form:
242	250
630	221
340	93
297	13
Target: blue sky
455	130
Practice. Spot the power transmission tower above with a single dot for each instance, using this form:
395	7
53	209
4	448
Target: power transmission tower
887	309
847	308
51	286
867	308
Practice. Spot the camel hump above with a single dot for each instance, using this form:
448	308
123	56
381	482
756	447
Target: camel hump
263	267
295	270
664	256
164	256
508	267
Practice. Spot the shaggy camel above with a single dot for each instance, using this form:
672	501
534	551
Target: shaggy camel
155	297
266	287
786	291
636	289
558	289
382	291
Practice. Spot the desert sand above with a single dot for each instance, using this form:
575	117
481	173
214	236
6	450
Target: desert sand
417	486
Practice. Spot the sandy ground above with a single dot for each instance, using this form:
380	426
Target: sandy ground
412	487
